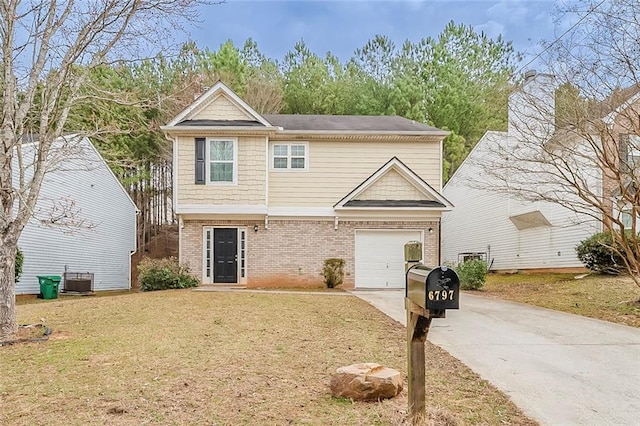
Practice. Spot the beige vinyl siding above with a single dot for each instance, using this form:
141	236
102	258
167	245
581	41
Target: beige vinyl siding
220	109
250	188
392	186
337	167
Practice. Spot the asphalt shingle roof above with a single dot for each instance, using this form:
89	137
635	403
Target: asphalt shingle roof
320	123
393	203
346	123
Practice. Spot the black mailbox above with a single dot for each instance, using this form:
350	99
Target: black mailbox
434	289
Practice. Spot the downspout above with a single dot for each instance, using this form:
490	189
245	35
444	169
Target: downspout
174	189
440	241
180	226
136	248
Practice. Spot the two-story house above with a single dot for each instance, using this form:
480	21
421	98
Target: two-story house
263	200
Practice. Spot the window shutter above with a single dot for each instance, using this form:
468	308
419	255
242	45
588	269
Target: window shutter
200	160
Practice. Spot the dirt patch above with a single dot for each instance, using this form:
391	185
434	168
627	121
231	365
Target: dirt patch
29	333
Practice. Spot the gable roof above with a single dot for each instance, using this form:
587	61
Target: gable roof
209	96
384	126
438	201
489	136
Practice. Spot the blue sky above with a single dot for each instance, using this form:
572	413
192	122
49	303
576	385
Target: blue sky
345	25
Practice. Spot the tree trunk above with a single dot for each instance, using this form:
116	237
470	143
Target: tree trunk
8	324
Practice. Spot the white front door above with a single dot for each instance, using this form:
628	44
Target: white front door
379	257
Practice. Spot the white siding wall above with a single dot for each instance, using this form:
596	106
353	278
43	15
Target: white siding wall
480	223
104	247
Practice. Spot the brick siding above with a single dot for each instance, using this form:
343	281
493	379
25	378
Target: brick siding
291	252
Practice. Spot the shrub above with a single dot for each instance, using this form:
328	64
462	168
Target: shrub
333	272
19	261
597	254
472	274
163	274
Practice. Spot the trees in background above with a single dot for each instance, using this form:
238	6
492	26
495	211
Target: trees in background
458	81
51	52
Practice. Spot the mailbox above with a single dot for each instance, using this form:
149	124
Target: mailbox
433	288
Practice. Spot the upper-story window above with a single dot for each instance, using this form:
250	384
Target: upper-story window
222	160
634	148
629	150
290	156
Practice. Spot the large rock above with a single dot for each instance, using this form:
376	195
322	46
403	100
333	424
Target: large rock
366	382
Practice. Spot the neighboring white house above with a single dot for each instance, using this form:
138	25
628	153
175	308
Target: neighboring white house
84	221
501	228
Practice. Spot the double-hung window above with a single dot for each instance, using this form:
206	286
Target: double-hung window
222	161
290	156
629	146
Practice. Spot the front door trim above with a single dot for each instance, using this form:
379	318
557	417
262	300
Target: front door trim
208	254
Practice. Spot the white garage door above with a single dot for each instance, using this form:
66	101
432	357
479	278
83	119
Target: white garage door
380	257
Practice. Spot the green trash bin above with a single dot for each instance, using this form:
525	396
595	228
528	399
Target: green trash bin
49	286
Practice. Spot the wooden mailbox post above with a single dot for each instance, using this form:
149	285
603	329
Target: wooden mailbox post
428	293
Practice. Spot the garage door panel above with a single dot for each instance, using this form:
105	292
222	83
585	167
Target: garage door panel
379	257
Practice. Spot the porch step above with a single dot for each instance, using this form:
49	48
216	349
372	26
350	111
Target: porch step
213	287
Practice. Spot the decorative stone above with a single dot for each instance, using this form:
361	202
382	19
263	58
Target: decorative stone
366	382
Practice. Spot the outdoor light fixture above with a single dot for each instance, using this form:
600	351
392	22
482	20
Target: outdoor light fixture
255	228
430	230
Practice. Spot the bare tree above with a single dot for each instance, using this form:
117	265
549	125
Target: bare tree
573	132
48	49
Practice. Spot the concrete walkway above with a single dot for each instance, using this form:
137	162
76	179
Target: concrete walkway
560	369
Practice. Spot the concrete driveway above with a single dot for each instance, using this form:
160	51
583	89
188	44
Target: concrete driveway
560	369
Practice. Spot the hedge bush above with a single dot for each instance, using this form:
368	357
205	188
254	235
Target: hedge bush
472	274
164	274
597	254
333	272
18	267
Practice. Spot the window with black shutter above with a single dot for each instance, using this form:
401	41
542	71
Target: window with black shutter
200	160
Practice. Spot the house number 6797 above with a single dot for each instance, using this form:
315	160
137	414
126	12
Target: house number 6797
441	295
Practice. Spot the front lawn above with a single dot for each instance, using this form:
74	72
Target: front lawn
604	297
210	358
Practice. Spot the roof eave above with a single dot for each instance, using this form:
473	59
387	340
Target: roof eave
441	133
425	209
200	129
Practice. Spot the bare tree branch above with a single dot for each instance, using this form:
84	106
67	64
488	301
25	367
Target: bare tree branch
49	49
